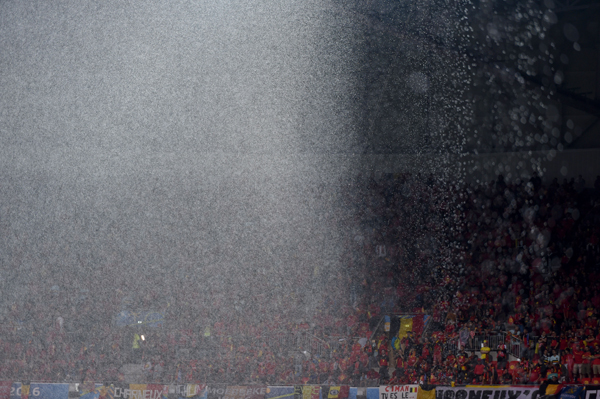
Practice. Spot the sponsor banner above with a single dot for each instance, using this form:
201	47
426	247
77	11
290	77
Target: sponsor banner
47	391
277	392
238	392
141	391
118	388
196	391
15	390
592	392
488	392
39	391
398	391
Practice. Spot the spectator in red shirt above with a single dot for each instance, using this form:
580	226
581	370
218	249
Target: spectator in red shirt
586	368
596	363
479	370
535	373
577	361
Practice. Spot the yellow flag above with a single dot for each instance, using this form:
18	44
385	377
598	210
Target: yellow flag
406	325
552	389
423	394
334	392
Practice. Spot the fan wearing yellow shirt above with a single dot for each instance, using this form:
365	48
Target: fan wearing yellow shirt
485	352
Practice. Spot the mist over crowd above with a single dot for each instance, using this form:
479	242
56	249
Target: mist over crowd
518	262
298	192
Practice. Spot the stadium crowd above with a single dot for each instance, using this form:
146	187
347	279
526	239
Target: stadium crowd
511	260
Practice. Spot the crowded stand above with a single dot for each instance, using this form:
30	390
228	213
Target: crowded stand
476	284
